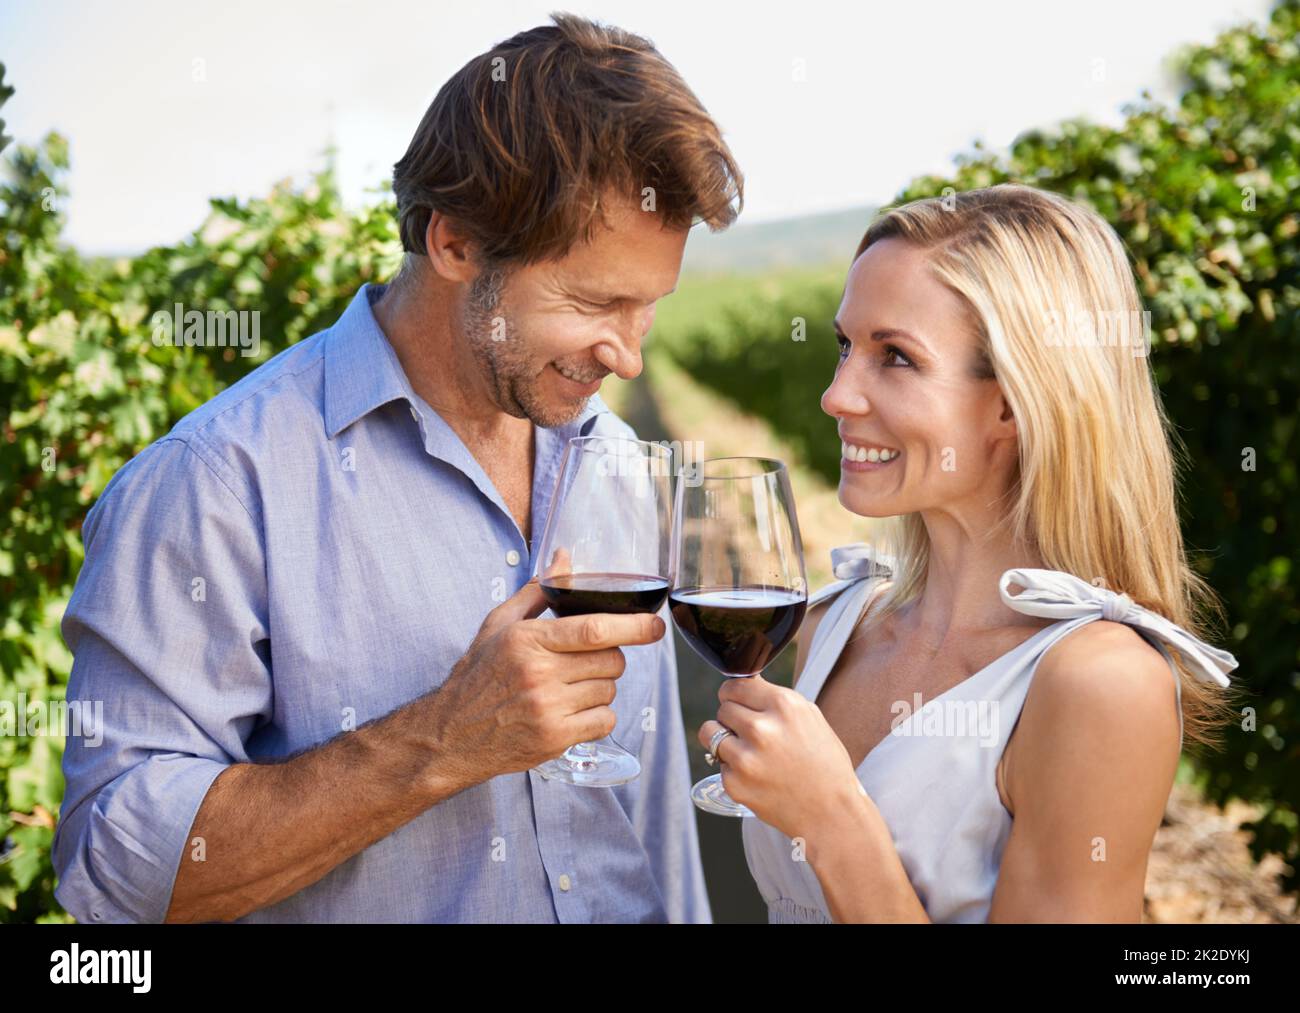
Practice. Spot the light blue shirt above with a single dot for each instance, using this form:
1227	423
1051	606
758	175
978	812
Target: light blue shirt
311	550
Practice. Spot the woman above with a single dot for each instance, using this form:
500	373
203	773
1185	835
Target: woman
993	733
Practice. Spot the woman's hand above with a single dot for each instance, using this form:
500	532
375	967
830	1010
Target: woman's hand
783	761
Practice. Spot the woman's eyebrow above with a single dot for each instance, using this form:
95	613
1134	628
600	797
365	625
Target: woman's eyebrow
885	333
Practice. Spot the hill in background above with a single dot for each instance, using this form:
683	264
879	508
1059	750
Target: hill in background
806	241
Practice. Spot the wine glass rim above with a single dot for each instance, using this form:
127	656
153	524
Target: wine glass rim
583	443
772	466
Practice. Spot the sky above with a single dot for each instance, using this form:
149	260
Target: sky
826	105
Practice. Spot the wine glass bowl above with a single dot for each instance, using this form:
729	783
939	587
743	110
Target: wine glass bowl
738	630
740	590
606	548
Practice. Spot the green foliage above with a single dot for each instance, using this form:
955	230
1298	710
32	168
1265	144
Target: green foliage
5	92
771	348
1205	197
84	387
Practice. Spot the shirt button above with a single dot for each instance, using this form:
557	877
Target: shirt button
512	557
565	882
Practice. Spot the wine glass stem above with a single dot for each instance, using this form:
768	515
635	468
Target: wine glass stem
582	755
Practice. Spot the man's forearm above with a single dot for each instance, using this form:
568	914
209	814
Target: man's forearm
271	829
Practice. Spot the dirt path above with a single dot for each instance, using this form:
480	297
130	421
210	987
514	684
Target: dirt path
1200	869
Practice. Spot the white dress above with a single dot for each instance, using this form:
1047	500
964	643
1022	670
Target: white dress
933	776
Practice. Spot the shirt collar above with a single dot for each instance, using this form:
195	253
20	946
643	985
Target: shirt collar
361	369
363	373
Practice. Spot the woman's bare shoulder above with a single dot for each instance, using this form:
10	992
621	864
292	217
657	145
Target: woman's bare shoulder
1099	693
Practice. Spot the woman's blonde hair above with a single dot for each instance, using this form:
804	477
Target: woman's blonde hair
1052	300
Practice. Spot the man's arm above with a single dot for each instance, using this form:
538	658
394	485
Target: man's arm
277	828
168	817
269	830
169	632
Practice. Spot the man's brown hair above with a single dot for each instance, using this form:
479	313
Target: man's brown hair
520	147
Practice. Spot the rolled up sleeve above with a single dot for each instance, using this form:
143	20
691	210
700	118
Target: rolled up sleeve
171	672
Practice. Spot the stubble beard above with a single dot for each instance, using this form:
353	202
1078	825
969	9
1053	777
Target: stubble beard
501	351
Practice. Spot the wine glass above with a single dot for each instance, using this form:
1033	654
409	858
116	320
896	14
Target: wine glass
740	591
606	548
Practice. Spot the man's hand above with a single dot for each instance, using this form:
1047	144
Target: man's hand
525	691
529	688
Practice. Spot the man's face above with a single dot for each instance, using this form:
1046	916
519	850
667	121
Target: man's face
547	334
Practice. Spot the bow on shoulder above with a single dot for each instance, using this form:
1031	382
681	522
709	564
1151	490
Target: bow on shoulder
1053	594
851	562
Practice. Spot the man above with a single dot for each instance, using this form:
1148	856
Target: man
309	717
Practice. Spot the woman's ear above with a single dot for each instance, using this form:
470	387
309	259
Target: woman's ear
450	252
1006	417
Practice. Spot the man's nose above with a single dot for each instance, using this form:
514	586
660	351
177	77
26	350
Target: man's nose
621	355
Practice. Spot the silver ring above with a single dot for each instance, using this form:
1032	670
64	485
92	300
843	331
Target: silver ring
711	757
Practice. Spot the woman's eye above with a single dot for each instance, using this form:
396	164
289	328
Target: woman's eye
844	345
895	357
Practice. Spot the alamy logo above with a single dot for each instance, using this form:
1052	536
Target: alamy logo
1082	328
975	719
102	967
69	718
214	329
624	461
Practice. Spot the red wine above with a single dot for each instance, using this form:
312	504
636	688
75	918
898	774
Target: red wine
737	630
577	594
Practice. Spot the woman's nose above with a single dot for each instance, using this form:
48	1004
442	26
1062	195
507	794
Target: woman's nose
845	396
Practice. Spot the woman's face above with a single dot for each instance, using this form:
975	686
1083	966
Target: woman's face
907	393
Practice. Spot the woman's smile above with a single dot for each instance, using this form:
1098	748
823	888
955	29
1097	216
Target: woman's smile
866	456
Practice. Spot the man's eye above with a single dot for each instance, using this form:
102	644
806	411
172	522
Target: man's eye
844	345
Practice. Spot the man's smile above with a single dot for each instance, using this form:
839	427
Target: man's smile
579	381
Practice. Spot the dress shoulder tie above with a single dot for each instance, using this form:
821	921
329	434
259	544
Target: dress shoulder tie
1054	594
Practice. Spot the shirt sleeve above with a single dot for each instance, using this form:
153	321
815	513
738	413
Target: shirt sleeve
661	809
169	633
